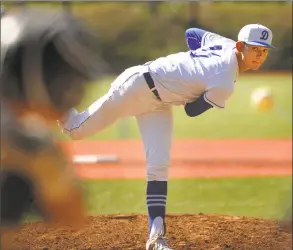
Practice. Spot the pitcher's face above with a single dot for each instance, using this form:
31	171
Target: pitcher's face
254	56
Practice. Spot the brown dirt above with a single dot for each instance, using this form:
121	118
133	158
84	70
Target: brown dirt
191	158
208	232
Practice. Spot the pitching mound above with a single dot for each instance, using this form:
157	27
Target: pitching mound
184	232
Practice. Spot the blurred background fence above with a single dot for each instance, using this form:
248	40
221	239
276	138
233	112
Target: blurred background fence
135	32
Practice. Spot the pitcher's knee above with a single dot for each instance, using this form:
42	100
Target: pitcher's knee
158	173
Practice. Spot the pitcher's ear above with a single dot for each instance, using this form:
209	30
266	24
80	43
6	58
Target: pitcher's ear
240	46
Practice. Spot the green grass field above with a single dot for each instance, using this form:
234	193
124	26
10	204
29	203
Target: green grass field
238	120
255	197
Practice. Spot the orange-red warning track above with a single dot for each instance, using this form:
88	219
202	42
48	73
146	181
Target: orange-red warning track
190	158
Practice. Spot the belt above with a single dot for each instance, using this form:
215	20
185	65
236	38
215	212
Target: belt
149	80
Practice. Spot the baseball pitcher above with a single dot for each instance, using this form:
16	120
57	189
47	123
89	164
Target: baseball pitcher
47	58
202	78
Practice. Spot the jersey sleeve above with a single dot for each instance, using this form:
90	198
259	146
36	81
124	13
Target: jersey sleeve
194	37
217	96
210	37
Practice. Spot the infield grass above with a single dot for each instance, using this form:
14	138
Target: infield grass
266	197
238	120
255	197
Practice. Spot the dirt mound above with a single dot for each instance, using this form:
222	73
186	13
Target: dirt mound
184	232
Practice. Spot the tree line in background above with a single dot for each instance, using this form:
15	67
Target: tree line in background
133	33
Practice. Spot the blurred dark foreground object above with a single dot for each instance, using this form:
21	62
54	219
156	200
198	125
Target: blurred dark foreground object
47	59
34	169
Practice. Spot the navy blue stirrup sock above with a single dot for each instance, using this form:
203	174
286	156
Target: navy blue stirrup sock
156	201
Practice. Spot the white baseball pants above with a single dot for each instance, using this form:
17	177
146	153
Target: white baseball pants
130	95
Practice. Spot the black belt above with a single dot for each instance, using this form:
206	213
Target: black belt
149	80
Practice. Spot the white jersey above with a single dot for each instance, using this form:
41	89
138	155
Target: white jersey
212	69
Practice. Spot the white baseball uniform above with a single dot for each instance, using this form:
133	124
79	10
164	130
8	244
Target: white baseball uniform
179	78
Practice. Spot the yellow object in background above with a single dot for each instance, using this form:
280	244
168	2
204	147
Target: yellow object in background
262	99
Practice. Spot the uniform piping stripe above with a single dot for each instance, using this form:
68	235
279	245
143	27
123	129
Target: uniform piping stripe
212	103
156	195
